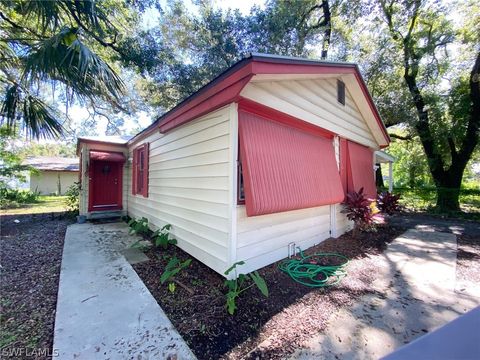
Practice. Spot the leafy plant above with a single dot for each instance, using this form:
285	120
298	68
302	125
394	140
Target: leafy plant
139	227
171	287
72	202
161	237
358	209
387	202
173	267
11	198
240	284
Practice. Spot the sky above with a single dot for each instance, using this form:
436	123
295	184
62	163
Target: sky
78	113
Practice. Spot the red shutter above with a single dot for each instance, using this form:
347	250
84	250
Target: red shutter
134	172
140	170
285	168
344	164
360	166
146	154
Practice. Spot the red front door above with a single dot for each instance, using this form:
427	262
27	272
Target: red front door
105	192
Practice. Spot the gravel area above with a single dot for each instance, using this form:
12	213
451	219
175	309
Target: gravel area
266	328
31	252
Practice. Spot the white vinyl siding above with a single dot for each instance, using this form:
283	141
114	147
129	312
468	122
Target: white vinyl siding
262	240
314	101
189	186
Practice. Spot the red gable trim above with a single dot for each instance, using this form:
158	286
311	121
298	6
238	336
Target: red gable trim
218	96
227	87
373	108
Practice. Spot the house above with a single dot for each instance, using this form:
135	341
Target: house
53	175
257	159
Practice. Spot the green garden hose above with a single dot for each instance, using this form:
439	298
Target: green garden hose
309	271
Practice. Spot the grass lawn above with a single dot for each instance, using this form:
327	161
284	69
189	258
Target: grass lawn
423	200
45	204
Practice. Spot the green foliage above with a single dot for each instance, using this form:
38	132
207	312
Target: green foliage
240	284
11	198
139	226
193	47
358	209
387	202
72	200
161	237
173	267
424	199
68	46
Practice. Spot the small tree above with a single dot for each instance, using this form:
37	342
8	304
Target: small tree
358	209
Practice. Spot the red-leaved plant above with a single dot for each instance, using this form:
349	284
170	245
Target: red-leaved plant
357	208
387	203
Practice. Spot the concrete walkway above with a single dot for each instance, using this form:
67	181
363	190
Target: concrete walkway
104	311
414	294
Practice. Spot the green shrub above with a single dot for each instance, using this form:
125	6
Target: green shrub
10	198
72	201
161	237
139	227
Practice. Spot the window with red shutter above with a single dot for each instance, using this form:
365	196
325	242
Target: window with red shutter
140	170
285	168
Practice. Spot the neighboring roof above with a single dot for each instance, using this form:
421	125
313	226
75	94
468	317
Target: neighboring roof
226	88
51	163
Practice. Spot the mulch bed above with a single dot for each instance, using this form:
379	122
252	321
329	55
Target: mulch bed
262	328
31	254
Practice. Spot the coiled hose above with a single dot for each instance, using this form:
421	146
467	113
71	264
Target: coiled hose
309	271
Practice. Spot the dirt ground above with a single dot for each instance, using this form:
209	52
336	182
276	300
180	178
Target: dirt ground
266	328
30	258
30	261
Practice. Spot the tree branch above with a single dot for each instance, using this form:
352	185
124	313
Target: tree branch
400	137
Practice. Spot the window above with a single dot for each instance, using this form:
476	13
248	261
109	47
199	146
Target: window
240	186
285	168
341	92
140	170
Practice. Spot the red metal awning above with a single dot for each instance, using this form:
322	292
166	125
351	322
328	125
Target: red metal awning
107	156
360	170
285	168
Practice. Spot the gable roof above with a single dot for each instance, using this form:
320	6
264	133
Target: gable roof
226	88
53	163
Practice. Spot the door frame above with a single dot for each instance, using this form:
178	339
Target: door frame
91	185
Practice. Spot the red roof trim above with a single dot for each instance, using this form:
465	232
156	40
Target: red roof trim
226	88
373	108
218	96
280	117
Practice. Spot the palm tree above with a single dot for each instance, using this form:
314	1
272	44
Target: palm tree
50	43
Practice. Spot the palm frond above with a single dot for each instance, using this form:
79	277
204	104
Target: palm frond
65	58
8	112
47	13
39	120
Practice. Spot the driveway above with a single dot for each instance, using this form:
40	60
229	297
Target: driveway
414	294
104	311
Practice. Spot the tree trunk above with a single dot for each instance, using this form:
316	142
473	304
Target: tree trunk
379	177
328	28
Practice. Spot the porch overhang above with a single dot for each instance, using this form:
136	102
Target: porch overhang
107	156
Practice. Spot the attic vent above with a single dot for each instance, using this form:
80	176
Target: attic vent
341	92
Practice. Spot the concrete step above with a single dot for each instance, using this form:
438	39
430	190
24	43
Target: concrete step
101	215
